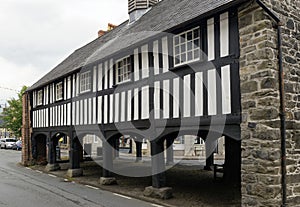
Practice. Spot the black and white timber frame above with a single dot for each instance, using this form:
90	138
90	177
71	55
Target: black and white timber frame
181	99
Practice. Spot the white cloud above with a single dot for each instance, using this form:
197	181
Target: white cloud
36	35
13	78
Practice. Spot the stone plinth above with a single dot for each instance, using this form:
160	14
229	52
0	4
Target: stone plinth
161	193
52	167
74	172
108	181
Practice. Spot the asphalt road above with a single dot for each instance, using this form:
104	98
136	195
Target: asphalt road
24	187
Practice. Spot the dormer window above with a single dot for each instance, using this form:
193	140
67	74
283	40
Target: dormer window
123	70
85	82
40	98
59	91
187	47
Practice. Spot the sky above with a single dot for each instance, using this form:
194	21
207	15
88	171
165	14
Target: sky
36	35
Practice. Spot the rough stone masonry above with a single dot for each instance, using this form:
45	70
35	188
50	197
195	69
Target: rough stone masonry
261	135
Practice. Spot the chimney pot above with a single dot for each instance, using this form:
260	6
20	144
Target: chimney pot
101	33
111	26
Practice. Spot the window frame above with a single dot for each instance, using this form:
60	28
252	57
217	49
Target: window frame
61	93
179	140
85	82
194	50
40	97
95	141
128	72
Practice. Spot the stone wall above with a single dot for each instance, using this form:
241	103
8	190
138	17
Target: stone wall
261	146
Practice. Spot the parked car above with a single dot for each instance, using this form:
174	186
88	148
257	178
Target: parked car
7	143
17	145
1	140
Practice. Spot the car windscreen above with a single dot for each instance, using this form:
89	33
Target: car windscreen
10	140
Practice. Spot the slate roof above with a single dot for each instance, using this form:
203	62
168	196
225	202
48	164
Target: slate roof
164	16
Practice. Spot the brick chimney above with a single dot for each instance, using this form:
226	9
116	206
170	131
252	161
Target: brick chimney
137	8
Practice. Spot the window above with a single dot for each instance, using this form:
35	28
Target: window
59	91
123	68
179	140
95	139
85	82
187	46
40	97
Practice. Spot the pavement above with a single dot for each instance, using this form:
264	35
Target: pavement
192	186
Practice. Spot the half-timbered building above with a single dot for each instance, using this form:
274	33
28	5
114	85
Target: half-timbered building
176	67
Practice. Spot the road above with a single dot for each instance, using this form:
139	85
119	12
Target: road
20	186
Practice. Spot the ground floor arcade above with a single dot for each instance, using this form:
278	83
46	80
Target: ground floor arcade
44	147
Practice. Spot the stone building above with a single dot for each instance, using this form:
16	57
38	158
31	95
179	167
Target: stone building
252	90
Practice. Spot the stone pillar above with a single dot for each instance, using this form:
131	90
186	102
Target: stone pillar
170	151
138	151
107	176
158	188
74	157
52	164
260	102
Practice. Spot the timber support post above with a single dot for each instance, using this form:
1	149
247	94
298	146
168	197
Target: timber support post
158	188
107	176
74	156
52	164
139	156
170	151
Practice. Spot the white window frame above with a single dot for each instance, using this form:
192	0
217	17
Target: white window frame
96	141
125	76
85	82
183	47
40	97
59	91
179	140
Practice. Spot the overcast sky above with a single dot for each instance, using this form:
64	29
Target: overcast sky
36	35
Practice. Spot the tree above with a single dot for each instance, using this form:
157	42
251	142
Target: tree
12	115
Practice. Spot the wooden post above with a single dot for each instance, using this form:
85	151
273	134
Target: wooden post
107	176
232	165
107	158
52	164
158	164
74	158
138	151
170	151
